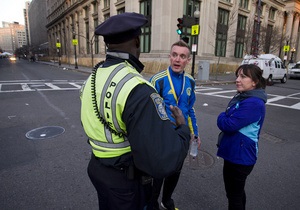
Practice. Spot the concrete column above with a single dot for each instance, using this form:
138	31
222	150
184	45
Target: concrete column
296	37
208	27
289	25
295	30
232	28
133	6
264	22
164	21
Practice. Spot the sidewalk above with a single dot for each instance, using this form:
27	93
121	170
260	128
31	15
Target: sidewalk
228	78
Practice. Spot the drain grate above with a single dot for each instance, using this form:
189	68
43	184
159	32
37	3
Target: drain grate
45	132
202	160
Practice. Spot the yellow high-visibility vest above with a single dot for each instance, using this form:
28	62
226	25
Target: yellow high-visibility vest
112	87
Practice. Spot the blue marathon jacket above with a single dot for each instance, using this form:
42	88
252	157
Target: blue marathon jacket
241	125
177	90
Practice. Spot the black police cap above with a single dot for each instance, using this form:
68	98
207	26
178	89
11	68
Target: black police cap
121	28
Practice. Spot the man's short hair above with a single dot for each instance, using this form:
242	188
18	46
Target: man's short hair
181	43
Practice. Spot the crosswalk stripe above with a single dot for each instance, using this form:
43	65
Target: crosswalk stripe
75	85
38	85
52	86
296	106
25	87
216	93
272	99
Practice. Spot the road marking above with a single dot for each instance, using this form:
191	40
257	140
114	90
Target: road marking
207	88
276	98
225	91
74	84
38	85
52	86
296	106
273	101
25	87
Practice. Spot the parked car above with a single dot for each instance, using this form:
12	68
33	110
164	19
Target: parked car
294	72
271	65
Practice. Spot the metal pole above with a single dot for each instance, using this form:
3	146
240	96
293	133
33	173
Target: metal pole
285	54
75	53
58	51
92	50
196	16
193	64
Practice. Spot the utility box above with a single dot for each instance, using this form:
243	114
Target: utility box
203	70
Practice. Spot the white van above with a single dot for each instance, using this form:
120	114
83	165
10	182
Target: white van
271	65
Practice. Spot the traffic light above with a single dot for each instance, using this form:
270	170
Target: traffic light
179	26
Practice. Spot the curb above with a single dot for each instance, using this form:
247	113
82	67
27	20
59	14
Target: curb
146	75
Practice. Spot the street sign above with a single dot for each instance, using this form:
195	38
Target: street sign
195	30
58	45
75	41
194	48
286	48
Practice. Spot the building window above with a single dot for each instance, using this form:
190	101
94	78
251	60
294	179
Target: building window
272	13
106	16
95	7
106	3
244	4
255	36
146	10
190	6
86	12
96	38
221	35
240	36
268	39
87	37
120	11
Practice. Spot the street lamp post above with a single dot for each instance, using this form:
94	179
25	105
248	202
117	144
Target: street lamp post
75	42
293	50
90	42
92	55
194	47
285	53
58	45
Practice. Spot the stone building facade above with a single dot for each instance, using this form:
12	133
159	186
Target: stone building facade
228	28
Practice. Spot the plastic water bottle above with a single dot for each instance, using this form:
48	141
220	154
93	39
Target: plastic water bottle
194	147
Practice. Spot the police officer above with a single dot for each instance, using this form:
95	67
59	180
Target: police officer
131	136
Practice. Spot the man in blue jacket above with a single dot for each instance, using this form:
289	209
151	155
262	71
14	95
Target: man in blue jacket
177	88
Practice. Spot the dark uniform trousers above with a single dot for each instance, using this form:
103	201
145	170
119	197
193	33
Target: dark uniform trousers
115	190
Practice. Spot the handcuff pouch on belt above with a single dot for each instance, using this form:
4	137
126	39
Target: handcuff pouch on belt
133	173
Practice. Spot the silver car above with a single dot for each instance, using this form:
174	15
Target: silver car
294	72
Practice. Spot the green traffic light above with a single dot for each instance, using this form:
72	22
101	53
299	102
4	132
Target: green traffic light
179	26
179	32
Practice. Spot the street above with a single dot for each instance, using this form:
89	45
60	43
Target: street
50	172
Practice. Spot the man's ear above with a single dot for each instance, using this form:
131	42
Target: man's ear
137	42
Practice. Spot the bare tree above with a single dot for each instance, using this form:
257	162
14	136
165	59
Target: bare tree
270	38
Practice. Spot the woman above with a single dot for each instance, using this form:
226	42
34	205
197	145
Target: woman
241	124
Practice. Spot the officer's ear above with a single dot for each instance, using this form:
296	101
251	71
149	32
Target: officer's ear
137	42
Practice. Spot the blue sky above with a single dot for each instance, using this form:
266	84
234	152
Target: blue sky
12	10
